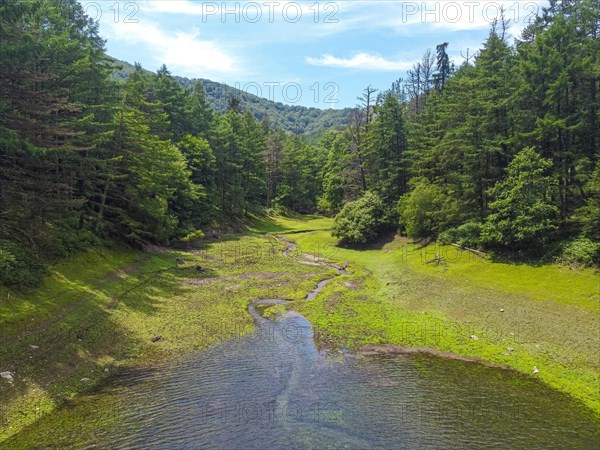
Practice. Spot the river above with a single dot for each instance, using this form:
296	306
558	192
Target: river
274	389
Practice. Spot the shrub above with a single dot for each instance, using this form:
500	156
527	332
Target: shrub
63	243
197	234
580	252
427	210
19	266
361	220
466	235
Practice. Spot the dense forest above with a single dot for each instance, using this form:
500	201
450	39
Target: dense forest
296	119
499	152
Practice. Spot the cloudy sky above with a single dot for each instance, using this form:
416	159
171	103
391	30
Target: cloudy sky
311	53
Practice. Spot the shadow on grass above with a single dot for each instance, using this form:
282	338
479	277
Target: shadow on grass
54	355
268	224
381	241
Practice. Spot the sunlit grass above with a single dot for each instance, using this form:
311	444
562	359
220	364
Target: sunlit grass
521	315
99	313
116	302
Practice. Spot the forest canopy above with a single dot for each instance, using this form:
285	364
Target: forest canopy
500	152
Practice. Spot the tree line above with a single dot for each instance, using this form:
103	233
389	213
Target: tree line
88	160
500	152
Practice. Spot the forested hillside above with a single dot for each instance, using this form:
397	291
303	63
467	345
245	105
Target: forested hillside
499	154
293	118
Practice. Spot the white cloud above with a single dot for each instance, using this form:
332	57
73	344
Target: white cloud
363	61
183	52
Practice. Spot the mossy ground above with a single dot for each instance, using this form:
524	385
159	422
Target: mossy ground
516	315
98	312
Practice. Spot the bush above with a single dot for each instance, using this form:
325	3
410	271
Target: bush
197	234
361	220
63	243
580	252
427	210
466	235
19	266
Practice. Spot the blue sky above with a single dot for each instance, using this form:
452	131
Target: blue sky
311	53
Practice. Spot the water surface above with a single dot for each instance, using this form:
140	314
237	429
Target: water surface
274	389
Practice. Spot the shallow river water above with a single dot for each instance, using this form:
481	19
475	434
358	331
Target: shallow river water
274	389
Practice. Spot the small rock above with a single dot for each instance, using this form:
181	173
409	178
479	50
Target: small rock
535	370
510	349
7	375
501	309
106	370
506	354
85	380
34	346
156	338
475	338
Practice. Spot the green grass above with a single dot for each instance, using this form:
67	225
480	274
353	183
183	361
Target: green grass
116	301
98	313
294	223
523	316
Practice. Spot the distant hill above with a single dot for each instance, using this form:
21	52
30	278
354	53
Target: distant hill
293	118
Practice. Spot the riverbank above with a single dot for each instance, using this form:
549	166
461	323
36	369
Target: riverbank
543	321
106	311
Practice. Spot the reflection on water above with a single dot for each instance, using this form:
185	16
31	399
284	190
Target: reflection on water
273	389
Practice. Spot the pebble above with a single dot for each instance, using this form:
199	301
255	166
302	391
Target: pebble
475	338
535	370
7	375
85	380
34	346
501	309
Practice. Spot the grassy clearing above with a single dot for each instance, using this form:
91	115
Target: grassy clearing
518	316
98	313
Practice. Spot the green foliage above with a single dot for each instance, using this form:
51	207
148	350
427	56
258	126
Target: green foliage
85	158
192	236
591	210
523	213
426	210
360	221
466	235
580	252
19	266
387	137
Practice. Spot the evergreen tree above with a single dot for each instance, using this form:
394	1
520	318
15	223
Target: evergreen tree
523	213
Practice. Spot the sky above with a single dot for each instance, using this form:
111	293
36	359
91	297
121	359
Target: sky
311	53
